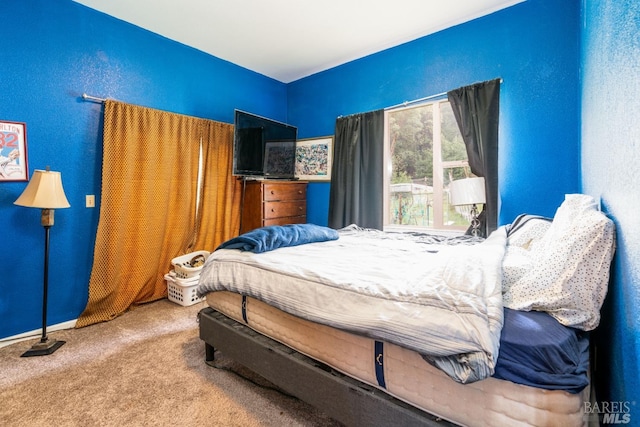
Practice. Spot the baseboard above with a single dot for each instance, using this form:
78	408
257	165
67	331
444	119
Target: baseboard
36	333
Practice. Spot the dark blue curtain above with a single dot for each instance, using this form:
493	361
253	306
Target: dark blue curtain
477	108
356	194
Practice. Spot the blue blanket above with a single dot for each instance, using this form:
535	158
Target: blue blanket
277	236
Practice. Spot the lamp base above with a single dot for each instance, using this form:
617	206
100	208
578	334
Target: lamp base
43	348
475	222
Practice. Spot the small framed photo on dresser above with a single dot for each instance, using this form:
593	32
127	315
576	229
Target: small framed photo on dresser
13	151
313	158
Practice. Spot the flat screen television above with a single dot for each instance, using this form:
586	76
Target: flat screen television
263	147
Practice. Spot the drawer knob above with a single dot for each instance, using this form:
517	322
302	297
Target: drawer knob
273	192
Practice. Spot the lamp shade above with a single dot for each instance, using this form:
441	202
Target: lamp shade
44	191
468	191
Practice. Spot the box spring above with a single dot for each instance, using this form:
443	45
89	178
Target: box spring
407	376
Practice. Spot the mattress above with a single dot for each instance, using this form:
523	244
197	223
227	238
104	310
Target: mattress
405	373
441	300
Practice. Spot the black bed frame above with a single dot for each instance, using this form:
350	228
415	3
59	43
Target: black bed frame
349	401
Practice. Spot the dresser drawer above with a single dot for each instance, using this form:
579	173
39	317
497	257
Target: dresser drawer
285	220
285	191
285	209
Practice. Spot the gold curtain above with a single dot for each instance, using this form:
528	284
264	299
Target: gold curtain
150	211
219	210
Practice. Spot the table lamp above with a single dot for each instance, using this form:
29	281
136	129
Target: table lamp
469	191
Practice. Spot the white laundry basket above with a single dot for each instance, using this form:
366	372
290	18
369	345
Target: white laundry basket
180	291
189	265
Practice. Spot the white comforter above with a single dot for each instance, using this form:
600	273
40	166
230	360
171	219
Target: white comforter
444	302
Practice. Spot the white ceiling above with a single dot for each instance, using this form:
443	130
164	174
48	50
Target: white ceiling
291	39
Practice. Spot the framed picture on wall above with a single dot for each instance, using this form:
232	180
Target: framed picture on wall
13	151
279	158
313	158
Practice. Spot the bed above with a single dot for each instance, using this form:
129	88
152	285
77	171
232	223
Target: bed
382	328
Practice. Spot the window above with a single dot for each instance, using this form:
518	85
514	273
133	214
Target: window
424	152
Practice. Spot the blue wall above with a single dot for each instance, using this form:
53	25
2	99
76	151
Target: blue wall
610	155
53	51
533	46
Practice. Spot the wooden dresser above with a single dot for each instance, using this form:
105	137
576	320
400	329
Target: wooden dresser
273	202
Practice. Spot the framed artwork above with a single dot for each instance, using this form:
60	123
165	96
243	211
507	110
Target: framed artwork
278	158
313	158
13	151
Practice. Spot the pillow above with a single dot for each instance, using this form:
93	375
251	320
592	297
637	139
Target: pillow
523	234
570	267
526	230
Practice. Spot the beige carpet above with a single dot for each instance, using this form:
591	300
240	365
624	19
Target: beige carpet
145	368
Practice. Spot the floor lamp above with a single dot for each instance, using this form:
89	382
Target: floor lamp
469	191
44	191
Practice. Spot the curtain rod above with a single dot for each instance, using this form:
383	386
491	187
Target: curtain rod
405	103
416	101
92	98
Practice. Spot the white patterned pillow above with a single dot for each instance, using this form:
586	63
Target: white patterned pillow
527	230
523	235
569	275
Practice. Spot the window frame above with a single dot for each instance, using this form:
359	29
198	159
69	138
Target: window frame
439	167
